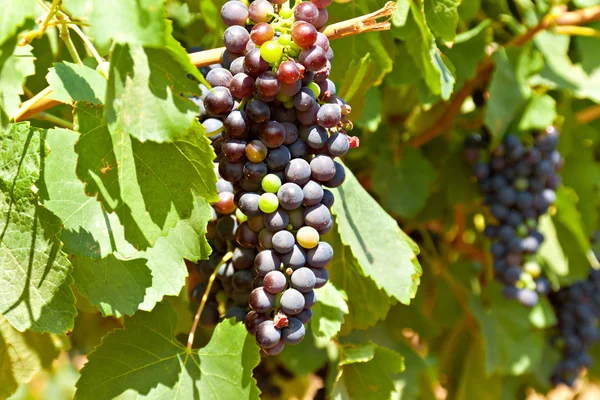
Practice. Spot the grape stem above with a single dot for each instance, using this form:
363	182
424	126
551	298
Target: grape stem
190	340
485	68
354	26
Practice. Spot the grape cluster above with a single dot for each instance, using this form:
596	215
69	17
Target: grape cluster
577	309
234	277
519	184
276	126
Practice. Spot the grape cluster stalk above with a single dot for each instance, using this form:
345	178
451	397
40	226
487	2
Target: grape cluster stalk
276	125
577	309
518	183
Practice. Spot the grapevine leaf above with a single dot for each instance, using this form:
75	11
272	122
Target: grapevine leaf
391	263
423	50
14	14
128	21
566	247
442	17
366	372
16	64
468	50
475	381
73	82
329	312
508	93
539	113
148	93
418	378
90	328
34	273
145	360
22	355
150	186
512	345
367	304
403	185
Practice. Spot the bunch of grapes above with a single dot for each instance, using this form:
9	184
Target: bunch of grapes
519	184
577	309
276	125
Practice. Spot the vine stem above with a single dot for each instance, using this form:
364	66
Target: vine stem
66	37
485	68
354	26
190	340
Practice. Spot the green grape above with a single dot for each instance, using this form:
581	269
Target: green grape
285	39
271	183
268	203
283	97
307	237
288	104
315	89
240	215
286	11
271	52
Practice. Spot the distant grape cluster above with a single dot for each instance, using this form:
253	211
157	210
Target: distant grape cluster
519	183
276	126
577	309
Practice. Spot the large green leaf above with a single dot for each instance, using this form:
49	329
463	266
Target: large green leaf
403	185
512	345
145	360
130	21
73	82
150	186
442	17
329	312
104	257
509	91
14	14
34	272
148	91
566	247
16	64
475	382
22	355
366	372
385	253
367	303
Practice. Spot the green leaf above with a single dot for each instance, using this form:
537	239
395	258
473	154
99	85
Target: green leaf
422	48
306	357
367	304
14	14
141	22
468	51
150	186
539	113
366	372
508	92
16	64
475	383
403	185
512	345
442	17
74	82
94	235
89	330
566	247
329	312
22	355
542	315
145	360
148	93
34	273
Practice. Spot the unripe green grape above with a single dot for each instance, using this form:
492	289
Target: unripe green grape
283	97
240	215
314	88
271	183
285	39
271	52
268	203
286	11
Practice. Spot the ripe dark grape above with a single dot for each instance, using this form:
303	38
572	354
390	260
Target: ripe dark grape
277	221
304	34
225	204
290	196
313	58
313	193
294	259
235	39
261	33
261	301
283	242
275	282
306	11
303	280
278	158
218	101
254	63
241	86
267	335
267	84
259	11
292	302
266	261
320	256
234	13
234	150
219	77
329	115
288	73
322	168
272	134
294	332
